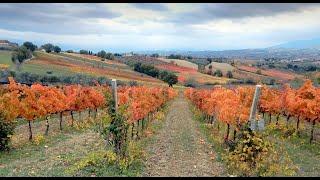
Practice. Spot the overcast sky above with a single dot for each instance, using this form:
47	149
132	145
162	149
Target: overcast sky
133	27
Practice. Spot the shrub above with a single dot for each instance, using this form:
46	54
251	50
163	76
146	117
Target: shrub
93	159
252	155
39	139
6	131
218	73
191	82
229	74
133	83
249	81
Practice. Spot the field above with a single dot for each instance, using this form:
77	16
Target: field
224	67
185	73
193	146
277	74
182	63
64	136
97	59
168	131
294	142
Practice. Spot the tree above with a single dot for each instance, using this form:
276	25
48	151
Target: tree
218	73
229	74
110	56
19	55
137	67
69	51
155	55
48	47
170	78
57	49
102	54
233	63
30	46
172	56
209	59
82	51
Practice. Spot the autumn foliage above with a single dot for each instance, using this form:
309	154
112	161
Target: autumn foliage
38	101
232	106
143	100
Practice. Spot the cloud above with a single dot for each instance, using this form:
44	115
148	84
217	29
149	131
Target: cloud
159	26
201	13
55	18
150	6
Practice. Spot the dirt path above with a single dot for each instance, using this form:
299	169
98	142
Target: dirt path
180	149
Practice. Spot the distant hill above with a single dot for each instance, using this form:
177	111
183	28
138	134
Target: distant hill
252	54
300	44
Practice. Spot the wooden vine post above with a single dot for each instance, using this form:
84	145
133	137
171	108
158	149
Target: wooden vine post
114	94
253	110
115	136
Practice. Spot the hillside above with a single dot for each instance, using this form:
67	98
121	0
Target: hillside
276	74
69	65
255	54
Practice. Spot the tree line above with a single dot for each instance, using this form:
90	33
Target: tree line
166	76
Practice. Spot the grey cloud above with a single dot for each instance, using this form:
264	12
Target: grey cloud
53	18
202	13
151	6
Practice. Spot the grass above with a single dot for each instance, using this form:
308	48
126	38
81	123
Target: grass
5	57
5	60
305	155
58	150
42	69
51	157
